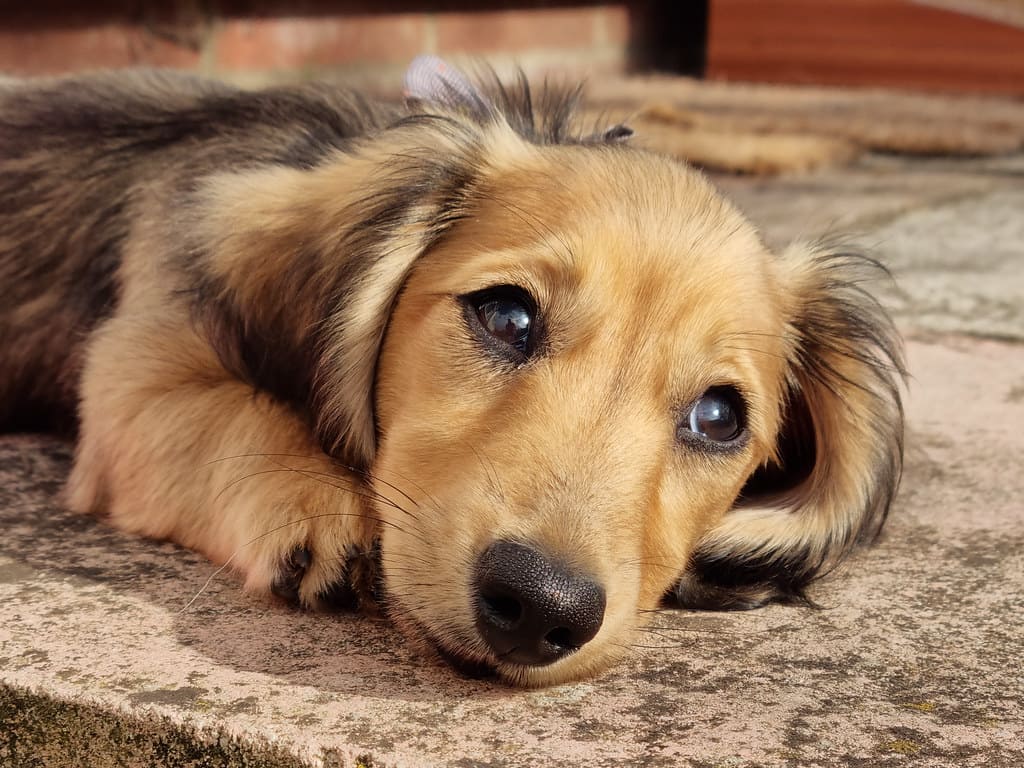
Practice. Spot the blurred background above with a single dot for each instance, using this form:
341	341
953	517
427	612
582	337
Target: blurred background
740	86
948	45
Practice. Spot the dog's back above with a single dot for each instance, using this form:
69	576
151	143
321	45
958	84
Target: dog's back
77	157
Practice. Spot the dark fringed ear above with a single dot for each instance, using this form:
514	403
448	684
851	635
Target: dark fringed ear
414	192
417	179
840	447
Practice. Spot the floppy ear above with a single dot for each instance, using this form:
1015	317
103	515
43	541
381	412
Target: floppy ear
840	448
298	268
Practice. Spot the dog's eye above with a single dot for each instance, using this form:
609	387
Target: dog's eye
506	313
717	416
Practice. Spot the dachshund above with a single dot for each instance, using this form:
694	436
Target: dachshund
511	381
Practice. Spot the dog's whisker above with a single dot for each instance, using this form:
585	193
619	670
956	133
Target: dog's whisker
765	352
368	493
366	474
327	479
404	478
757	334
263	454
283	526
493	479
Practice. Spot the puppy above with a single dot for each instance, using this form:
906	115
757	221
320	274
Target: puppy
515	383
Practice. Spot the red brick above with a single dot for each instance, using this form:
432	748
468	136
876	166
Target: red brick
891	43
517	30
51	51
296	42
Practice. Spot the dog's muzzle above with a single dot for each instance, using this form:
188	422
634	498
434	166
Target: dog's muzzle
530	610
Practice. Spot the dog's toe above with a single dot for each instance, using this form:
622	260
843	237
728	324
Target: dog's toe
290	573
297	567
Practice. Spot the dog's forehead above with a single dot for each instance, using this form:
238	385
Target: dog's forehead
630	256
616	218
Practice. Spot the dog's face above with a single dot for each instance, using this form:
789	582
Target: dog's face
576	383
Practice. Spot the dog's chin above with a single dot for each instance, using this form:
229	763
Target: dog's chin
470	664
474	669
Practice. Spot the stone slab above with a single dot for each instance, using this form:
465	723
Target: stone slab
916	652
915	658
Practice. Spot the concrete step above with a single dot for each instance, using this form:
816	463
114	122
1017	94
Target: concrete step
915	658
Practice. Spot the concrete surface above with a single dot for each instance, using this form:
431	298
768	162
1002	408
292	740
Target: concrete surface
916	658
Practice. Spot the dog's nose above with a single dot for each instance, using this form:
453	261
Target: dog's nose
530	610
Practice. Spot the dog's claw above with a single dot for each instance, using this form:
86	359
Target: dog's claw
286	583
340	596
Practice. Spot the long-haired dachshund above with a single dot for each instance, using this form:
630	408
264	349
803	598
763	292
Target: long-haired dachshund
513	382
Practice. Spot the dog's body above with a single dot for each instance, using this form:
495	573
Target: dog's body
543	379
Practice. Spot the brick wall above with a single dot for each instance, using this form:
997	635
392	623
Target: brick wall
889	43
269	39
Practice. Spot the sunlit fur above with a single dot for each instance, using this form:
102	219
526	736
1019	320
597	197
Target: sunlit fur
249	305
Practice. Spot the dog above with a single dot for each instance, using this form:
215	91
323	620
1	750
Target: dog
511	382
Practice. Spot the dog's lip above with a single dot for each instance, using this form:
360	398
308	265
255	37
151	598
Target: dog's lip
500	667
471	668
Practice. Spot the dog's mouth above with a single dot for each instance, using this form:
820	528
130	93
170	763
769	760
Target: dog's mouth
474	669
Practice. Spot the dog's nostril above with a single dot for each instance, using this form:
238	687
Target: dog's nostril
562	638
505	609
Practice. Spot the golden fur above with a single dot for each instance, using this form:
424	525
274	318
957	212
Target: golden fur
282	371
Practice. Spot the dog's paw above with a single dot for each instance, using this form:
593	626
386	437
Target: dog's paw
355	589
319	561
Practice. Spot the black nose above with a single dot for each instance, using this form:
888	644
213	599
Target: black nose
530	610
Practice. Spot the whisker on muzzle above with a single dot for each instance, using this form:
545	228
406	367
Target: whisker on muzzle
325	479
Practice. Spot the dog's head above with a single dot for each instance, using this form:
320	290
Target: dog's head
581	385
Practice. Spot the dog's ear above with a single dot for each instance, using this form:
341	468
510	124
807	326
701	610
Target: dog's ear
299	268
839	449
432	82
411	200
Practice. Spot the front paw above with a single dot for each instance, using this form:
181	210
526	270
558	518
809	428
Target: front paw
355	588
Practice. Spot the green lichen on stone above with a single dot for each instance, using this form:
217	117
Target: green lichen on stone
902	747
44	732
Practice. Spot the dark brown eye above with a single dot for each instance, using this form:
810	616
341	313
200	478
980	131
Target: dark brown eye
717	416
507	315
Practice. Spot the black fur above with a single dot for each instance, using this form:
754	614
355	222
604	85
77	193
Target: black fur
84	149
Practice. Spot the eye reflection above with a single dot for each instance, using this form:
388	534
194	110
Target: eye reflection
717	416
504	317
506	320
